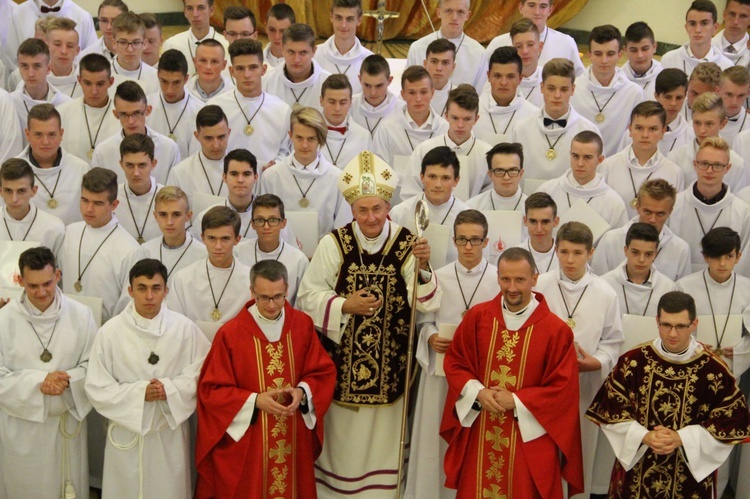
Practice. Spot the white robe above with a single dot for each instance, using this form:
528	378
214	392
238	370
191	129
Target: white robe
370	117
175	259
333	61
672	259
339	148
530	88
186	41
270	59
7	7
305	93
11	136
625	174
145	76
166	153
107	271
148	443
66	84
615	101
324	196
23	102
227	85
469	54
135	213
67	176
682	58
270	139
598	334
37	226
176	118
473	171
87	127
741	54
439	101
425	473
638	299
98	47
398	134
490	200
191	295
545	262
646	81
31	443
293	259
735	125
496	123
317	298
565	190
197	173
736	178
537	139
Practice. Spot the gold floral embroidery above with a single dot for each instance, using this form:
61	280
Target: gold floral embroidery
509	344
275	365
279	480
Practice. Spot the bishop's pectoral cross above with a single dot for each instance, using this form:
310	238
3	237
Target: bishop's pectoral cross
381	15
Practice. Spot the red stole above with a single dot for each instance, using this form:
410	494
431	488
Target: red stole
275	455
537	363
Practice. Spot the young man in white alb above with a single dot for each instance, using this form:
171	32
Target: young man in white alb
641	68
733	39
440	62
11	139
90	115
502	105
701	25
524	37
546	135
641	161
345	138
152	39
583	182
505	170
209	80
453	15
540	219
260	120
239	24
375	102
198	13
734	88
605	95
173	109
670	90
129	32
462	114
298	81
132	109
343	53
704	78
280	16
62	39
105	45
656	199
403	130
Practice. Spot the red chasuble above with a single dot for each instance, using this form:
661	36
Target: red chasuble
275	457
646	388
538	363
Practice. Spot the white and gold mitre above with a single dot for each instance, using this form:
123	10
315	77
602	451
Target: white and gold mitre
367	175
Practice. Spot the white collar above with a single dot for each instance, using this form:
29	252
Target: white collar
685	356
651	163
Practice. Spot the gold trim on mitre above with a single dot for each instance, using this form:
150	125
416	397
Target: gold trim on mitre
367	175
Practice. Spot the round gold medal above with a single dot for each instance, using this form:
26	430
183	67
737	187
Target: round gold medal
216	314
141	240
633	202
296	106
551	154
46	356
570	322
91	153
78	286
52	203
304	203
600	118
173	136
249	129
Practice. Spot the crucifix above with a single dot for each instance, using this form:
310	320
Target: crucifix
381	15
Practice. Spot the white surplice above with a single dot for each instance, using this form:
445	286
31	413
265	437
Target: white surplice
135	213
305	93
86	127
737	178
11	135
399	135
496	122
647	80
340	148
638	299
198	173
37	226
293	259
683	58
333	61
177	119
468	57
186	43
370	117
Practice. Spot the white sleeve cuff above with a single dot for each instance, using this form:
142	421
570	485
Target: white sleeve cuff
241	421
310	418
627	442
527	423
703	453
467	415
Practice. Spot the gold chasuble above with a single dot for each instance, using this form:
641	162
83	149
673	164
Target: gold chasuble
647	388
371	356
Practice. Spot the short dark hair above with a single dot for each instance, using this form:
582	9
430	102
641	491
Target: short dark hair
128	22
94	63
704	6
375	64
221	216
505	148
640	231
245	46
670	79
271	270
347	4
43	112
674	302
440	46
237	13
657	189
413	74
590	137
576	233
33	47
638	31
605	34
720	241
173	61
137	143
299	32
475	217
150	21
336	82
464	96
649	108
559	67
538	201
118	4
100	179
281	11
16	169
211	43
148	267
210	115
524	25
36	259
506	55
130	91
441	156
517	255
243	156
268	201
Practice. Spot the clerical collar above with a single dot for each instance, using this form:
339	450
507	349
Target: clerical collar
518	313
646	282
683	356
253	309
710	201
34	162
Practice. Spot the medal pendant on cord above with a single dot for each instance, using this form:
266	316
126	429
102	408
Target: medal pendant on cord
140	240
46	356
570	322
78	286
304	203
551	154
91	153
296	106
173	136
153	359
52	203
633	202
600	117
216	314
249	129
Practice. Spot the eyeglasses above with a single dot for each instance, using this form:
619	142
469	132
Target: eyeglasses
717	167
666	327
134	114
499	172
124	44
277	299
461	241
272	222
241	34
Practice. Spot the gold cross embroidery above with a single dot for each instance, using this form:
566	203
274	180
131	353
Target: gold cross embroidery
280	452
504	377
493	493
497	438
279	384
